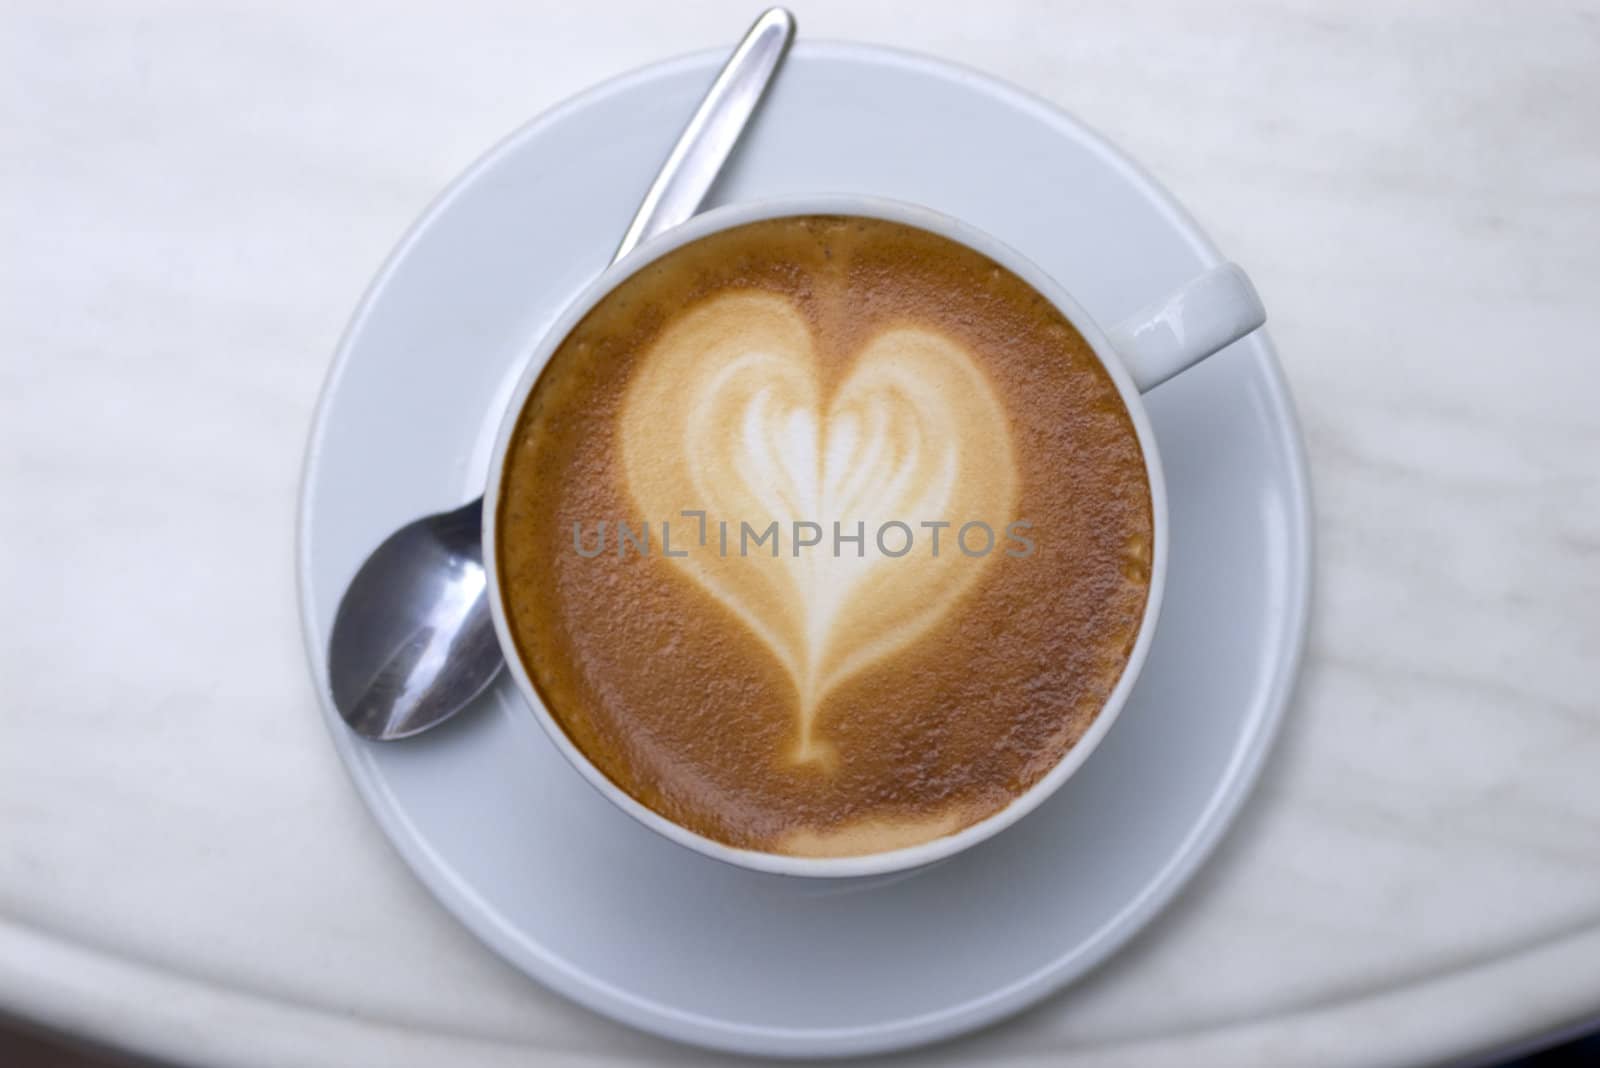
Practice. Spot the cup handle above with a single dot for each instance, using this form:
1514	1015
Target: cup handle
1202	317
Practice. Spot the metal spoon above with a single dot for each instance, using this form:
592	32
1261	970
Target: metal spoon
413	641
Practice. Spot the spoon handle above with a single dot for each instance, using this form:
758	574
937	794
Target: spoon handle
704	145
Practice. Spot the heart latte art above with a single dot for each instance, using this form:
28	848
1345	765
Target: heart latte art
793	668
731	416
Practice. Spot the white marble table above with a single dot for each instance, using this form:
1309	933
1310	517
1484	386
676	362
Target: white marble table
191	203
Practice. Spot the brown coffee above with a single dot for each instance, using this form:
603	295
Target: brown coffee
824	536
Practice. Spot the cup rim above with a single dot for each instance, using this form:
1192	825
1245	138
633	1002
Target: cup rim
737	214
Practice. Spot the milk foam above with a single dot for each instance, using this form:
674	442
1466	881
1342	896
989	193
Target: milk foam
730	413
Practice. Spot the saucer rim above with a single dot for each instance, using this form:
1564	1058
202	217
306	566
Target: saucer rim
1212	823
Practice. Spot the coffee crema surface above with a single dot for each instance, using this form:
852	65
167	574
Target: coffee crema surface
824	536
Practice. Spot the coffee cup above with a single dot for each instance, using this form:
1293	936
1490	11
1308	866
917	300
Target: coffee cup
1167	336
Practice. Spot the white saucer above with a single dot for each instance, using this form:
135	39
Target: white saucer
575	893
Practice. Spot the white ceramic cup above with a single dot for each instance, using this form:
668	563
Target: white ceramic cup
1165	337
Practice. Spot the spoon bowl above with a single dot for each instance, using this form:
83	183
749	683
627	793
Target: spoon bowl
413	640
